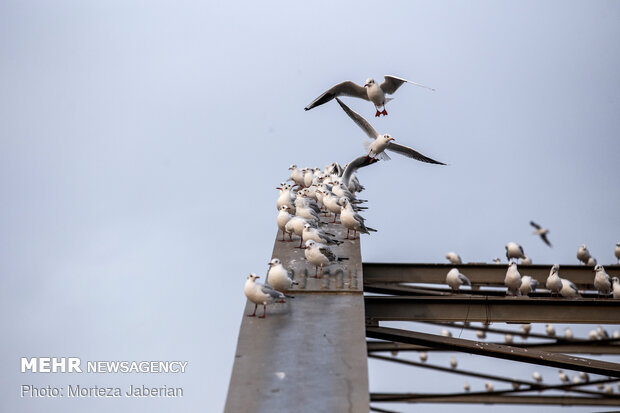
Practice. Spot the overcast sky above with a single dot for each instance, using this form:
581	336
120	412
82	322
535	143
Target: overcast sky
141	143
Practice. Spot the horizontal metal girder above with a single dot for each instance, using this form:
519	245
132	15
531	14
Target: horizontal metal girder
492	309
496	350
483	398
478	274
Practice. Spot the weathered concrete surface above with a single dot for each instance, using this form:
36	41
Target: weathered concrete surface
309	354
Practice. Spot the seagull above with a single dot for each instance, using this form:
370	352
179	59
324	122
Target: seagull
446	333
352	220
584	376
319	235
279	277
287	196
602	333
514	250
616	287
569	289
554	282
260	294
489	386
602	281
525	328
515	385
513	279
550	330
496	260
283	218
615	334
481	334
354	165
541	231
466	386
508	338
381	142
297	175
526	260
568	333
296	225
528	285
617	252
454	258
320	255
536	375
583	254
370	91
591	262
453	362
563	377
423	356
592	335
455	279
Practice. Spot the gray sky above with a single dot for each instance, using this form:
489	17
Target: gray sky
141	143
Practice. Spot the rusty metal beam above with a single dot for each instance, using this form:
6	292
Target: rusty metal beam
479	274
496	350
492	309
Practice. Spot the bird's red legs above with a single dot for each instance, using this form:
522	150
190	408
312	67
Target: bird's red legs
377	114
264	311
301	240
335	218
254	313
384	113
282	235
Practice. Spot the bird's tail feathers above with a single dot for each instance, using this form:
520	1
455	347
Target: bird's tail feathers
371	229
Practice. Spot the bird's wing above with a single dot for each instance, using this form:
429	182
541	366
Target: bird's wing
328	253
410	153
346	88
360	121
267	289
464	279
535	225
391	83
354	165
544	238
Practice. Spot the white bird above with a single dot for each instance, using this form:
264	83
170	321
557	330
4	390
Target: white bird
576	380
515	385
481	334
383	142
616	287
554	282
550	330
513	279
284	216
453	362
568	333
260	294
297	175
617	252
602	333
583	254
455	279
496	260
423	356
514	250
488	386
454	258
320	255
279	277
591	262
318	235
537	376
569	289
615	334
602	281
466	386
541	231
508	339
528	285
599	386
525	328
352	220
608	389
592	335
446	333
526	260
287	196
296	225
563	377
370	91
584	376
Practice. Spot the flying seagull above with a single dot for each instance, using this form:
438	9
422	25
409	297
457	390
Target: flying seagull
382	142
541	231
370	91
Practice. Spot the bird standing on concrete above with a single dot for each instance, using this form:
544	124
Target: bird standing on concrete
320	255
279	277
370	91
260	294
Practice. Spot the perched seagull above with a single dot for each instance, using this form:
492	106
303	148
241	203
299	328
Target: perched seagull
454	258
541	231
525	328
591	262
320	255
617	252
569	289
515	385
616	287
513	279
319	235
296	225
481	334
383	142
563	377
283	218
584	376
453	362
489	386
279	277
602	333
583	254
554	282
370	91
616	333
514	250
446	333
592	335
260	294
550	330
528	285
297	175
466	386
287	196
455	279
576	380
568	333
536	375
526	260
423	356
608	389
508	338
352	220
602	281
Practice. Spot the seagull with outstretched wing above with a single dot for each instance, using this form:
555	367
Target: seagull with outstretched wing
377	147
370	91
541	231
